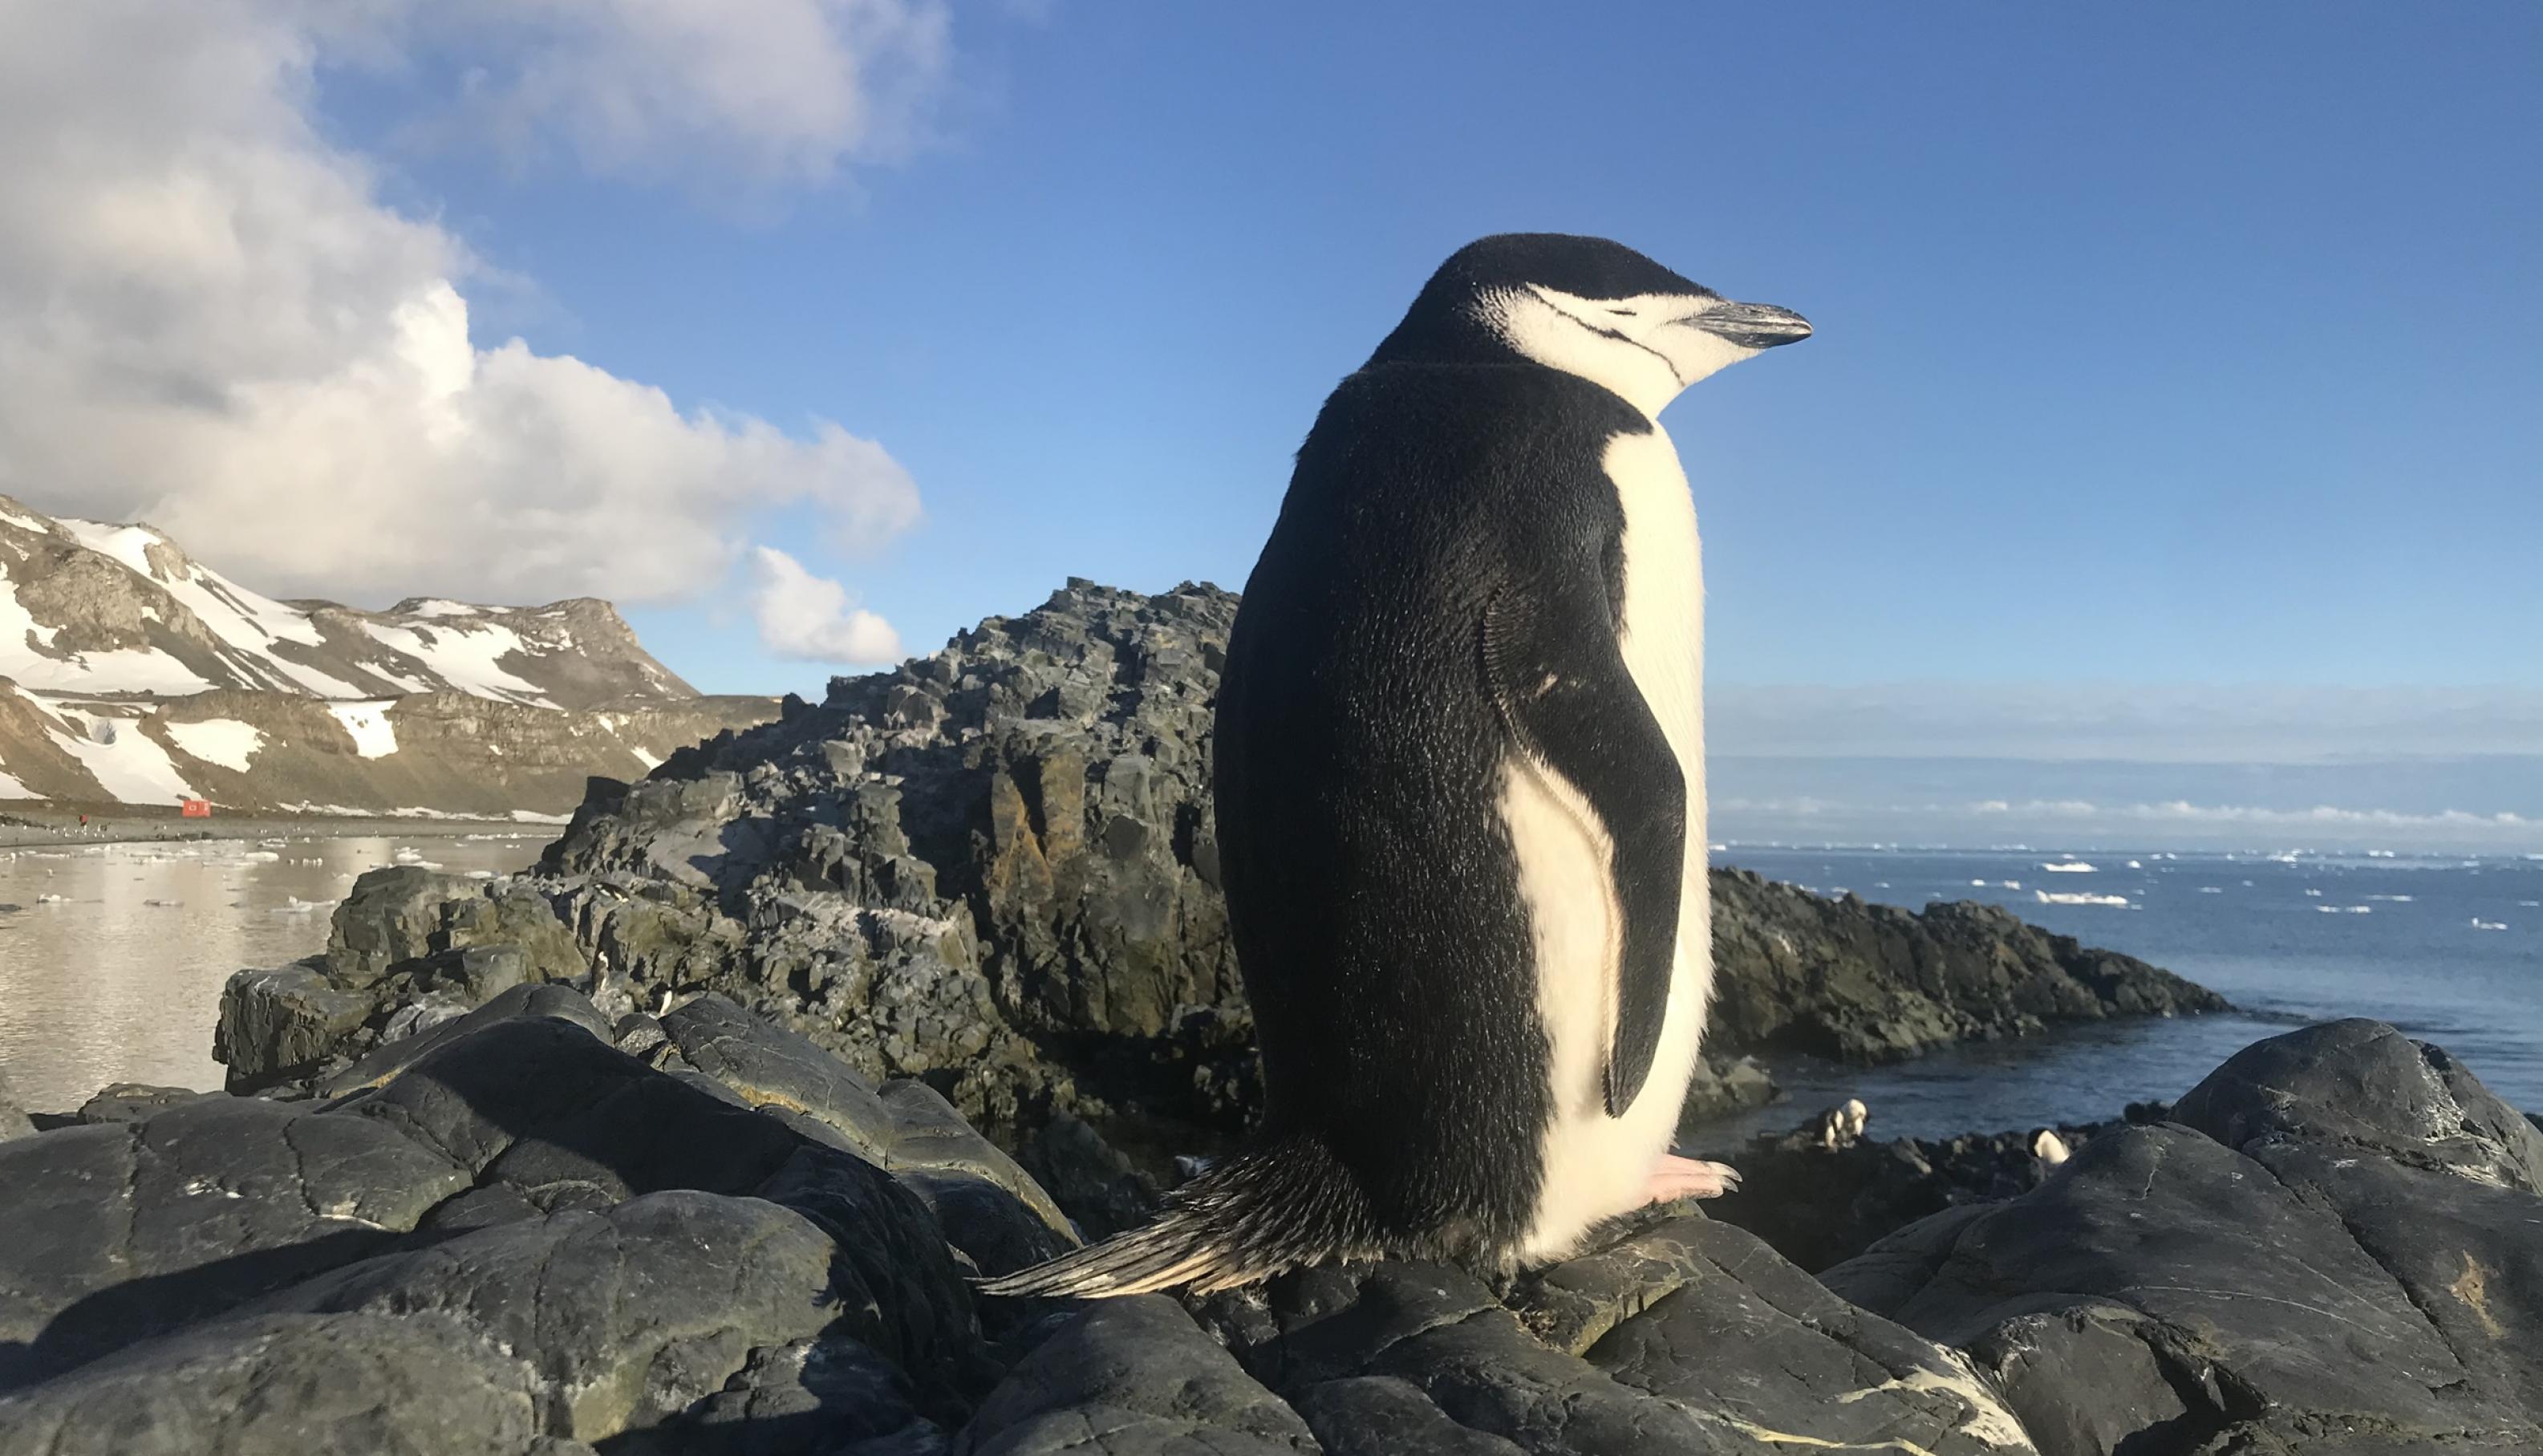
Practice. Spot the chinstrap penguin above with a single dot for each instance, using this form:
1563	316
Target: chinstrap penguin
1460	789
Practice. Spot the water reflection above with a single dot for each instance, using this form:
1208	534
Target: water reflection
113	959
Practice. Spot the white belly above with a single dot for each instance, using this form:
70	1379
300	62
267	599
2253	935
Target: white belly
1597	1165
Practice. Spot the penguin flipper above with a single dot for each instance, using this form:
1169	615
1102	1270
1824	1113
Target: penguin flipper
1551	662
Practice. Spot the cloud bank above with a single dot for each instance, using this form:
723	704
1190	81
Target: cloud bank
209	318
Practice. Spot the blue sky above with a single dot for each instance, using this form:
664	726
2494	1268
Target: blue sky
2170	343
2177	346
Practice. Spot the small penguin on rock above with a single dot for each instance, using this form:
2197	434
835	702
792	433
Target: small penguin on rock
1460	790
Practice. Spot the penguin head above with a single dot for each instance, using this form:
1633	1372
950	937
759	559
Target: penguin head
1586	306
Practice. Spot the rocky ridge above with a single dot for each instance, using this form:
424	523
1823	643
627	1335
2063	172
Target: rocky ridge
995	868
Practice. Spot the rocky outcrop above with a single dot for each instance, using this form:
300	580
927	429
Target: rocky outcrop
1863	983
534	1229
2335	1245
996	870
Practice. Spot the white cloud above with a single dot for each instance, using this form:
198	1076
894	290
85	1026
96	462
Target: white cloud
706	92
210	319
808	619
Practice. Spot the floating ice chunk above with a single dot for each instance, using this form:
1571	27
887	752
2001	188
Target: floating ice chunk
2480	924
2077	897
2345	909
2068	867
2211	889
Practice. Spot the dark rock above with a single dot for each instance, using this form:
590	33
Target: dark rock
620	1319
277	1024
802	1397
1864	982
1133	1377
2336	1251
120	1232
291	1385
1724	1085
380	1067
1099	1184
1684	1336
1823	1194
130	1101
2362	1085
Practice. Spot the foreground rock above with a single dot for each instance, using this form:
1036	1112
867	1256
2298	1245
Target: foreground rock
995	870
2338	1246
533	1230
1825	1191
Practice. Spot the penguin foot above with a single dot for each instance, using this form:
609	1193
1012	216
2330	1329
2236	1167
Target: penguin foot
1684	1178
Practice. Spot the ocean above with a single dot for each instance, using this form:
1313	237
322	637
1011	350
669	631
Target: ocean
2447	947
112	960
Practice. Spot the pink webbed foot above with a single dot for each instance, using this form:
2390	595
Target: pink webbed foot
1684	1178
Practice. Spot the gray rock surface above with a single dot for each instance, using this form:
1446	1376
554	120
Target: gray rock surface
994	870
416	1385
2337	1247
539	1229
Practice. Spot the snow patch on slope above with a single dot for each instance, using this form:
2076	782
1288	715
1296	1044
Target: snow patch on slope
10	787
369	724
465	657
131	767
222	740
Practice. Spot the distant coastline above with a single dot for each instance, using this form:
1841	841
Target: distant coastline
31	824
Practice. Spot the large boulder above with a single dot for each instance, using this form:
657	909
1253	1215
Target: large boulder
122	1231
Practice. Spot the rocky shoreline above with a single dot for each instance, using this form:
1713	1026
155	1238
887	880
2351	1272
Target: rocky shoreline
994	868
691	1139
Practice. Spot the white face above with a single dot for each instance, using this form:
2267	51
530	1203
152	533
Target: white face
1645	348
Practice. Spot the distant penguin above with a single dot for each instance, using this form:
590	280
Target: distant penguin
1460	789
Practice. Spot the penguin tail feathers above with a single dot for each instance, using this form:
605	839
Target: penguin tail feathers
1253	1216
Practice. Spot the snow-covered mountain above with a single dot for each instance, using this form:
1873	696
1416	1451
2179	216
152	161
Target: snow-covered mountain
97	609
131	672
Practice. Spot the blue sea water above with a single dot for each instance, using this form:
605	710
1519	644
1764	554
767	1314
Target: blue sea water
2448	948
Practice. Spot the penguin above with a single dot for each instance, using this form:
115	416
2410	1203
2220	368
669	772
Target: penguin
1459	779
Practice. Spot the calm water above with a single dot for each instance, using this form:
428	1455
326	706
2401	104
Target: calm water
119	979
2449	949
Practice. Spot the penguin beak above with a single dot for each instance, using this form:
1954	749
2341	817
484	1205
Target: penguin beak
1751	325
